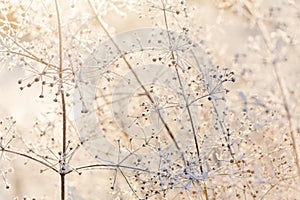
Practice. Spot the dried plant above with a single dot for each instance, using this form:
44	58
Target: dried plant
134	104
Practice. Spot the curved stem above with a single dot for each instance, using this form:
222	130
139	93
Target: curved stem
97	166
29	157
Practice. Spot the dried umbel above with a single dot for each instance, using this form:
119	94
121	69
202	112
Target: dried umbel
152	109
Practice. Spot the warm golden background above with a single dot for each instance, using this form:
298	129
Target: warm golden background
258	40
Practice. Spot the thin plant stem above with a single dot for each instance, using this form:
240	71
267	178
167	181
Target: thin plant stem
186	101
63	103
29	157
262	28
289	118
166	126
